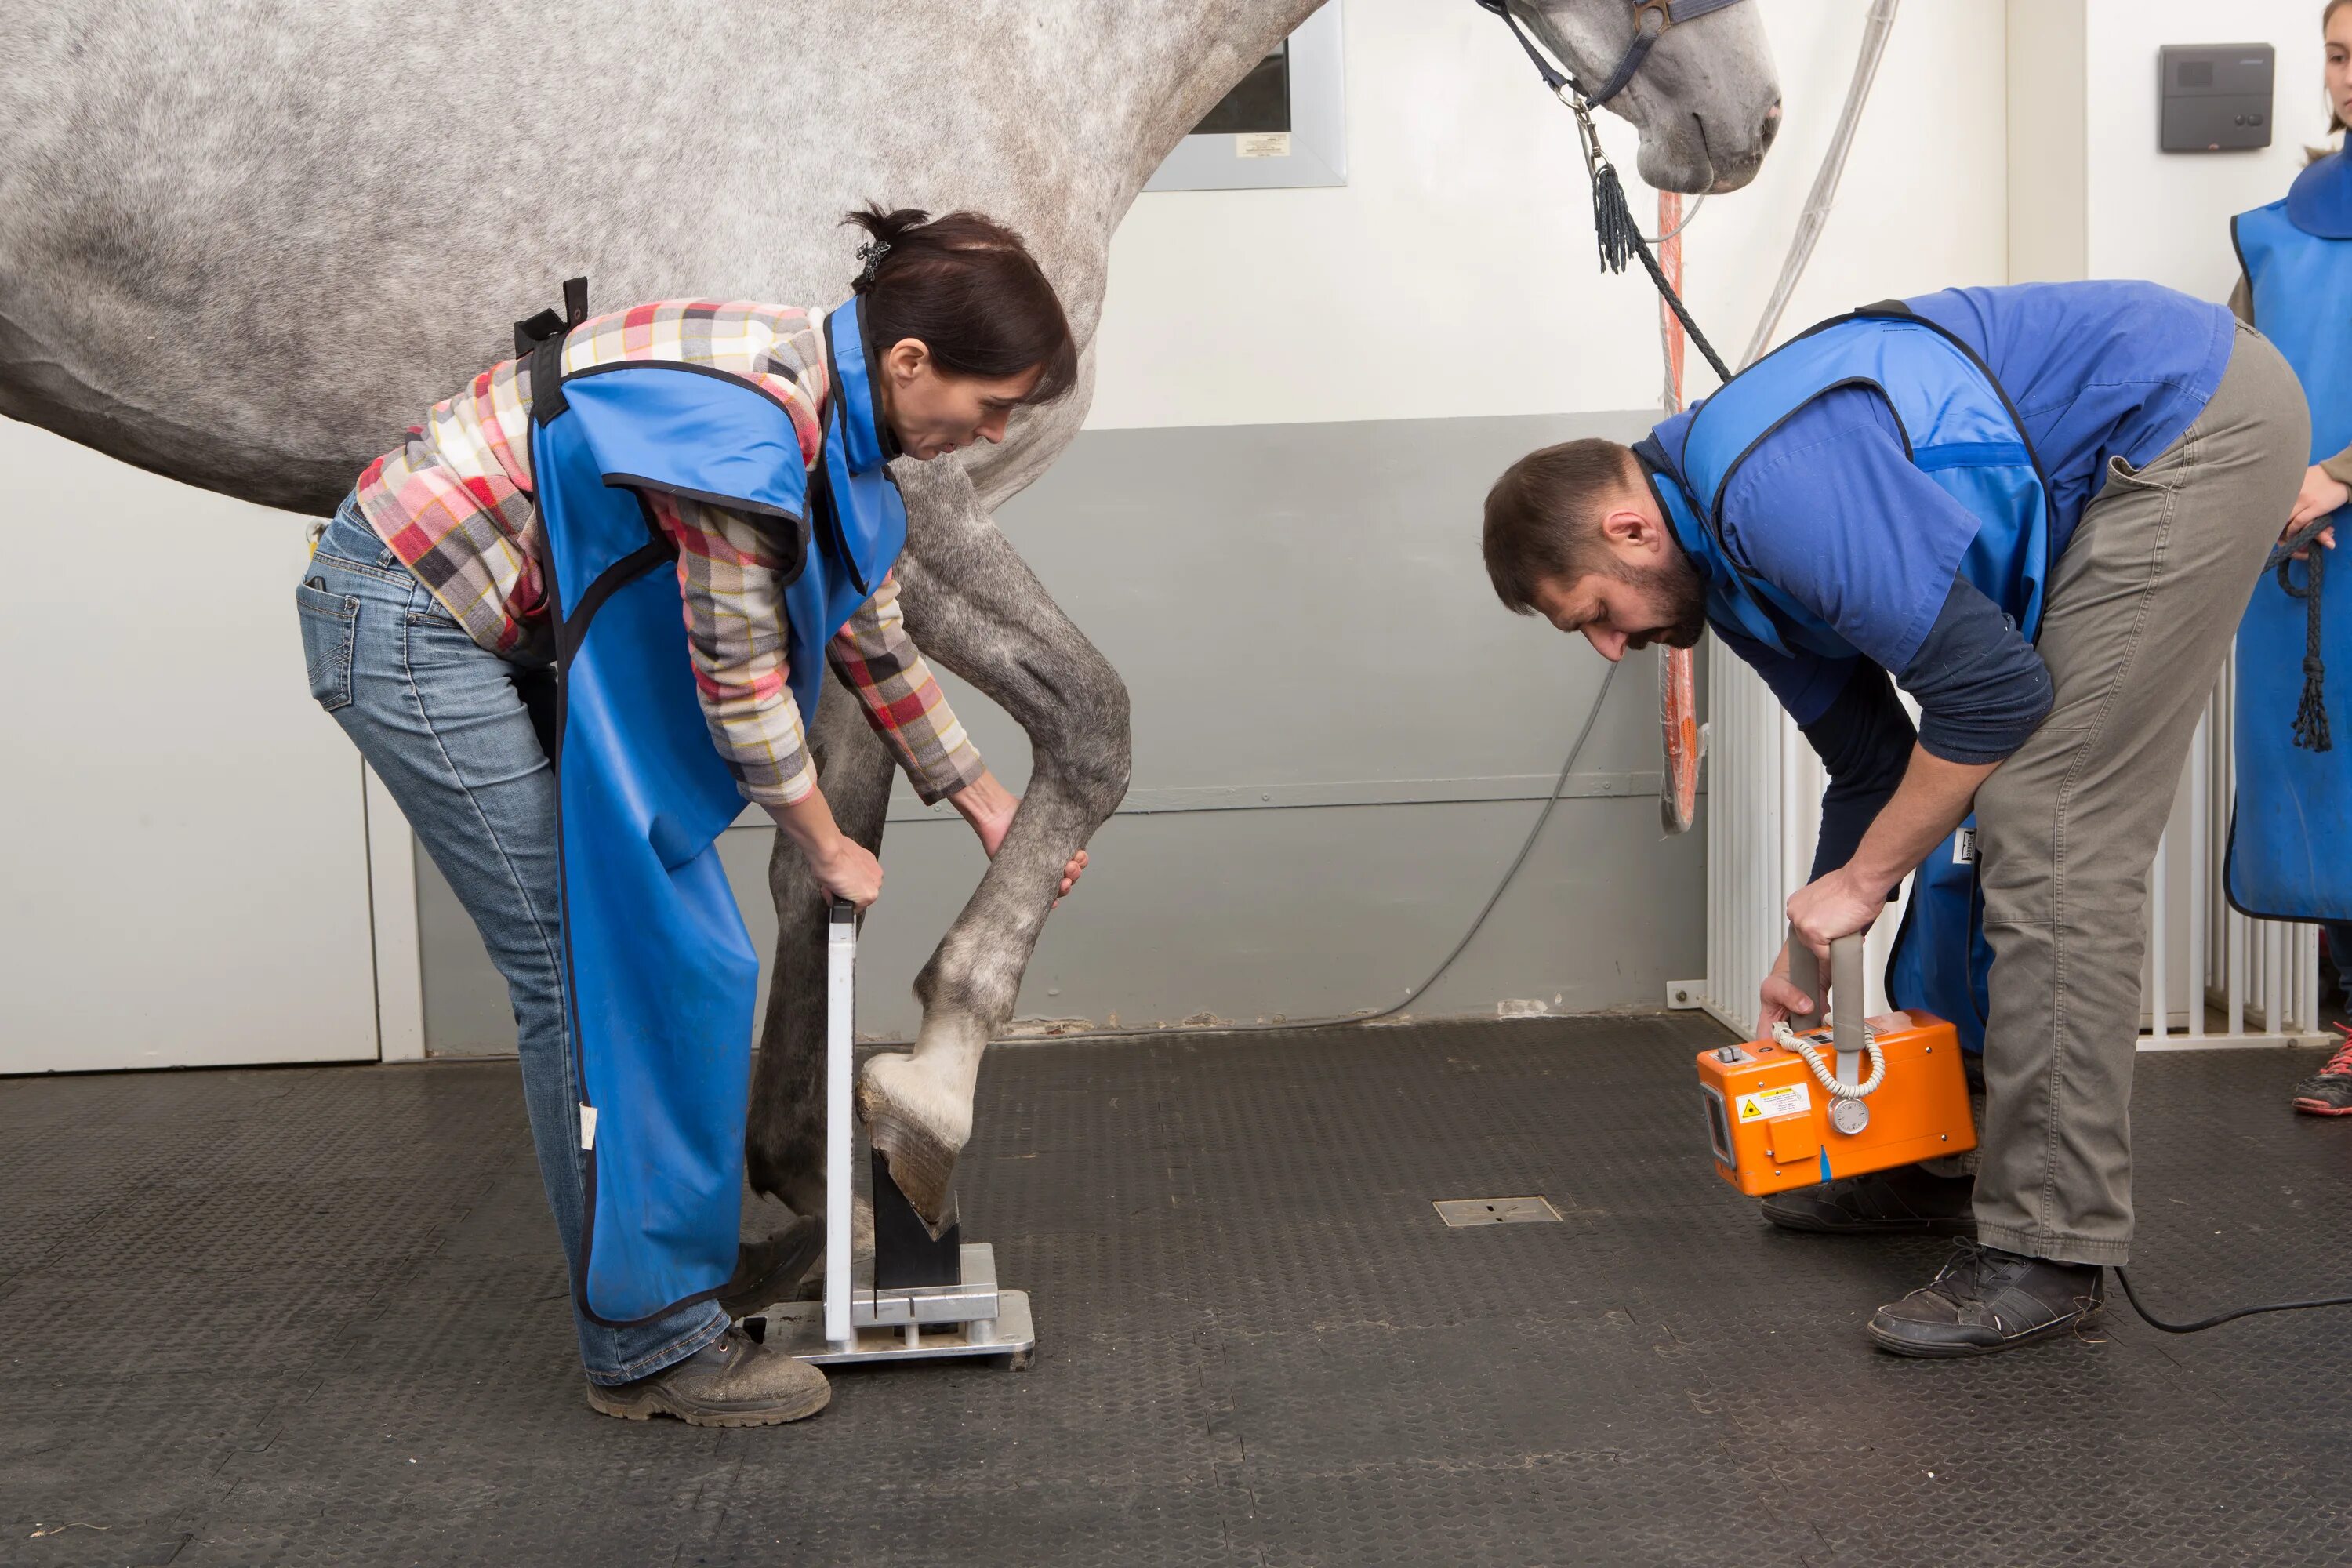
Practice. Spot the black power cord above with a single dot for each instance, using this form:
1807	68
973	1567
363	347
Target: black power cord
2218	1319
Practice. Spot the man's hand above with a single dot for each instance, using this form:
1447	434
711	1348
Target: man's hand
1836	905
2321	494
1840	904
1781	996
989	806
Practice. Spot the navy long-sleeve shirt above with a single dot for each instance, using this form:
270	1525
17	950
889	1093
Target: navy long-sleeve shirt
1829	509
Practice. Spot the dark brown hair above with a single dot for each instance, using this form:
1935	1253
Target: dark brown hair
1542	517
967	288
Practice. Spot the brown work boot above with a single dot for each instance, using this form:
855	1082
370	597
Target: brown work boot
731	1381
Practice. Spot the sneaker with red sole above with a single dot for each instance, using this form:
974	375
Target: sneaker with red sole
2329	1091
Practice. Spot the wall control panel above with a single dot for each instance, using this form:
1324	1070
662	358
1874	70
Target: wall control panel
2214	98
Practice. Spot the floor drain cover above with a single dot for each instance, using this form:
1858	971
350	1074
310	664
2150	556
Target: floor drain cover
1495	1211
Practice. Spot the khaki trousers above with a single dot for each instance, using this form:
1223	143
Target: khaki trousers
2140	613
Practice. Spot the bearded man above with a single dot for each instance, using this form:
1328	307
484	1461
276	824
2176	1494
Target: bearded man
2040	511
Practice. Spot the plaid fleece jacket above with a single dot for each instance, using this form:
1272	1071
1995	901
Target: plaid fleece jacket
454	503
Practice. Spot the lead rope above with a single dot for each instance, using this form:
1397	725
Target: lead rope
1612	221
2310	728
2311	713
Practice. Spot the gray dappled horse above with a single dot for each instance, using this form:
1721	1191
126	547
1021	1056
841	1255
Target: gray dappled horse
245	245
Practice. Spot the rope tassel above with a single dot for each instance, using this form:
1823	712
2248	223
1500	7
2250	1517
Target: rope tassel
1613	219
2311	731
1621	240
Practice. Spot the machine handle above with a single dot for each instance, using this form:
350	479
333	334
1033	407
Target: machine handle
1849	1035
844	913
1845	966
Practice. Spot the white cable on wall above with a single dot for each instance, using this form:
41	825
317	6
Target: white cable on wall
1823	196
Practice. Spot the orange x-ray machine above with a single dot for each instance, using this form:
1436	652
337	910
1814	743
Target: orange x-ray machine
1781	1116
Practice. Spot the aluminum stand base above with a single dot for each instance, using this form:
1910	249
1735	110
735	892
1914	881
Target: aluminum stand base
797	1328
963	1315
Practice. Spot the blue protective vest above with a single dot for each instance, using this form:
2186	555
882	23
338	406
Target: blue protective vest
1960	428
2291	833
659	973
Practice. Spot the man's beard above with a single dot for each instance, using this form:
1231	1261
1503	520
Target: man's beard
1677	589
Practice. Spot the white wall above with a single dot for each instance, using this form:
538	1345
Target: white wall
2046	170
2166	215
1454	274
2090	195
184	868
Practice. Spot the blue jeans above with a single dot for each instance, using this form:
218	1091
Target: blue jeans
461	737
2339	950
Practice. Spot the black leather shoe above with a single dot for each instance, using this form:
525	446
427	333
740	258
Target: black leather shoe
1986	1300
1903	1201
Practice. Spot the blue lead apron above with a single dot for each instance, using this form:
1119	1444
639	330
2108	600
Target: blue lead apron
660	974
1960	430
2291	831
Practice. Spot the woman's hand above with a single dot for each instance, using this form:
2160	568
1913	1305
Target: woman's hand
2322	494
989	806
846	869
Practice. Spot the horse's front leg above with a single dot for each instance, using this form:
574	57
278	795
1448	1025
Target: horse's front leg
974	608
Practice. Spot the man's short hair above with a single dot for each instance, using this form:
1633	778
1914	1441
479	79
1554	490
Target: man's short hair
1543	516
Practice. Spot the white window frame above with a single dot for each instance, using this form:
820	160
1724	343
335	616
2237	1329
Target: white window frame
1318	126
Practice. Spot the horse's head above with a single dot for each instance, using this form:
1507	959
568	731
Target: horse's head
1704	96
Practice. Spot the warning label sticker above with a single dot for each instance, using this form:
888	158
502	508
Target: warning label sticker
1789	1099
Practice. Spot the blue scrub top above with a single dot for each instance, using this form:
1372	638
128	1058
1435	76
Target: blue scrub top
1829	510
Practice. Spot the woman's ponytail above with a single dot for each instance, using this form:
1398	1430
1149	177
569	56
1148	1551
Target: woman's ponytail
967	288
885	229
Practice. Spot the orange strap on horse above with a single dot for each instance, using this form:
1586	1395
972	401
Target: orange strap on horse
1677	680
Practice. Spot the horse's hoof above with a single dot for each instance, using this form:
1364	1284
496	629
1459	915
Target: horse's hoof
920	1124
922	1162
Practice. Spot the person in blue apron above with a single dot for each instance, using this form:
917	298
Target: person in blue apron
2290	855
574	623
2039	511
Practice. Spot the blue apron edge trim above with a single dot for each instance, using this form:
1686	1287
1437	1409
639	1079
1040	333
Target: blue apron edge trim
619	480
2229	887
